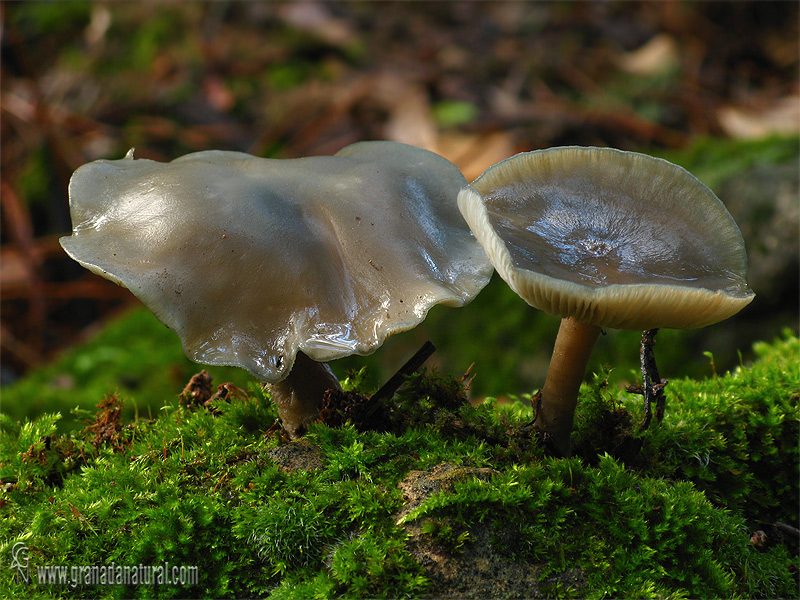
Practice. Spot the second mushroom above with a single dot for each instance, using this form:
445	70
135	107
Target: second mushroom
605	238
278	266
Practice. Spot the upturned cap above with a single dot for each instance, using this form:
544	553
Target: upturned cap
613	238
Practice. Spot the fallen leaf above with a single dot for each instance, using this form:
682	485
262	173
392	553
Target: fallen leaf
781	117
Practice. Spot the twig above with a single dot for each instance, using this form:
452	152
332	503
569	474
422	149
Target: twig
652	385
788	529
389	388
221	479
467	377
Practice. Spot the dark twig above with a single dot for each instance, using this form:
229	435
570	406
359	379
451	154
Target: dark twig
340	407
389	388
652	385
787	529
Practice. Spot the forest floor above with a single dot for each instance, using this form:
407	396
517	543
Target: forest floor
474	81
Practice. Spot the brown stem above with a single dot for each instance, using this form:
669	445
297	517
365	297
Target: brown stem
559	395
299	396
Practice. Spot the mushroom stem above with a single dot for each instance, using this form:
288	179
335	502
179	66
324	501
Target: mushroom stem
299	396
559	395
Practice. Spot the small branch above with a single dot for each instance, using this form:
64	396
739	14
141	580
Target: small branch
787	529
389	388
467	377
652	387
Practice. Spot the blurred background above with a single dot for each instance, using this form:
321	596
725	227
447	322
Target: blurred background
712	86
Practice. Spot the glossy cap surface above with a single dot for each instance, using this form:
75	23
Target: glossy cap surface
616	239
251	260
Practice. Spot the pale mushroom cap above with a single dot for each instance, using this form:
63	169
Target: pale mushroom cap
251	260
613	238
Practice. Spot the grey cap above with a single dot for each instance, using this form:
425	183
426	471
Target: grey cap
612	238
251	260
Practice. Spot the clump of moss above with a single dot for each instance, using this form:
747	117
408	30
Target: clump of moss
629	536
439	402
31	461
210	485
737	435
36	456
734	436
605	426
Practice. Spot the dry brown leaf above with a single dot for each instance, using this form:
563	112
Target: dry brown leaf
316	18
474	153
410	115
657	55
781	117
15	271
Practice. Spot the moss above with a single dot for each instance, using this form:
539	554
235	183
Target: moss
453	500
734	435
715	160
628	535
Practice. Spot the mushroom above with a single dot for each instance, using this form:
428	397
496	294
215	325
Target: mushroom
278	266
605	238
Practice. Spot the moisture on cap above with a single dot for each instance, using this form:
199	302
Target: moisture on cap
611	238
253	260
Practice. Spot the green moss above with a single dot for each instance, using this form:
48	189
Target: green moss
345	513
735	435
629	534
49	18
715	160
454	113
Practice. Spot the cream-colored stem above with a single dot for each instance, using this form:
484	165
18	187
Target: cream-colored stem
299	396
571	352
